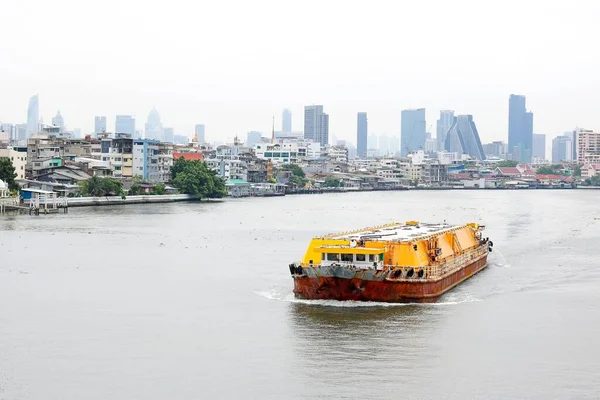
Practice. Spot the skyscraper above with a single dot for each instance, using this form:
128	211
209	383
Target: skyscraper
362	132
316	125
33	115
443	126
463	138
168	135
286	120
252	138
520	129
384	145
125	124
99	124
153	128
199	131
412	131
539	146
59	121
562	149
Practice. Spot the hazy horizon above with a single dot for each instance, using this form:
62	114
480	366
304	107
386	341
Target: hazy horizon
233	65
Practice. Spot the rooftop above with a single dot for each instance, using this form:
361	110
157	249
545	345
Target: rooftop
395	232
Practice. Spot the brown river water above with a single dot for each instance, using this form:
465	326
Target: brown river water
194	301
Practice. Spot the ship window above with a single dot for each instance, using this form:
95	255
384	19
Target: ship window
347	257
360	257
323	256
333	257
381	257
371	257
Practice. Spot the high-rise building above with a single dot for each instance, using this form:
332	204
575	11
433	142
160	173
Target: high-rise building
286	120
372	142
463	138
362	132
59	121
495	149
200	134
316	125
180	139
125	124
588	146
252	138
99	124
562	149
394	145
33	115
573	136
539	146
168	135
520	129
384	145
413	130
430	146
443	126
153	128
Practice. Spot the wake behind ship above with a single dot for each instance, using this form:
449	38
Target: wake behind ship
398	262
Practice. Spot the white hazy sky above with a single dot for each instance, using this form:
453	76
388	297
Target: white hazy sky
233	64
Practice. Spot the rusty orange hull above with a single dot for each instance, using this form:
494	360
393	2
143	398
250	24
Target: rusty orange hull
391	291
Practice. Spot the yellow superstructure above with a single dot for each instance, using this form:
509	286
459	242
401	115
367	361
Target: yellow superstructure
398	244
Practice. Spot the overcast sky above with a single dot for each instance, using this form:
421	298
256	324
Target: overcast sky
233	64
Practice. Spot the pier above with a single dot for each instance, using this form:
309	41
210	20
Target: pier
35	202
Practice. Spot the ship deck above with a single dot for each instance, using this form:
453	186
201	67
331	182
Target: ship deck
395	232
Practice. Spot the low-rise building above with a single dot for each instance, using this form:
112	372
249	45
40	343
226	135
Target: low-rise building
337	153
42	146
18	157
226	161
120	156
590	170
165	161
66	175
145	159
288	152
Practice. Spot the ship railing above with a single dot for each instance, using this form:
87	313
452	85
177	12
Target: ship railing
435	270
429	271
350	264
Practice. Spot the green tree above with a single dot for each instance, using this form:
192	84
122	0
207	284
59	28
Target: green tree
549	169
134	190
298	181
178	167
197	179
272	180
98	187
159	188
298	177
507	163
330	181
594	180
7	173
296	170
577	171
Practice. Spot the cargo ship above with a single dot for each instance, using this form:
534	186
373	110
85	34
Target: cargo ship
397	262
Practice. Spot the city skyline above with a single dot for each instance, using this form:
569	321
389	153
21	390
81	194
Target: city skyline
275	76
441	125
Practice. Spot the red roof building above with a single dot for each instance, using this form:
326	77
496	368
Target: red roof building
188	156
525	170
508	171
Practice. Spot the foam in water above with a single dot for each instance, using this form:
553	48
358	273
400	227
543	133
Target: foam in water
497	259
288	296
